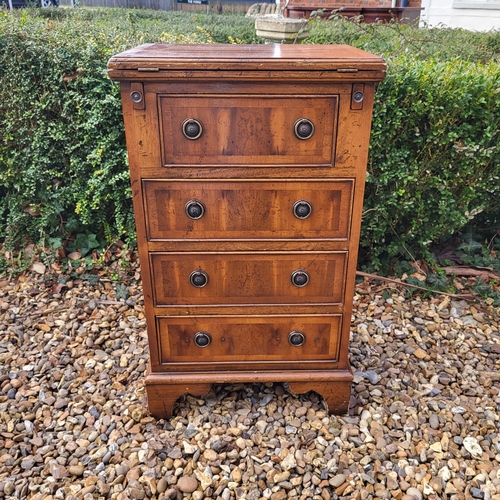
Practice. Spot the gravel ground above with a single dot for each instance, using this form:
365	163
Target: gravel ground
424	421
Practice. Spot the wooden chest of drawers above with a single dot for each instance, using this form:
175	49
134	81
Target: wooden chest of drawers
247	167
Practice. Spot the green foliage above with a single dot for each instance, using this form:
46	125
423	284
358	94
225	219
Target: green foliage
63	162
435	155
434	161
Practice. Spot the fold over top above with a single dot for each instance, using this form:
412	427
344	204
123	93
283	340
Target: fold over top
269	57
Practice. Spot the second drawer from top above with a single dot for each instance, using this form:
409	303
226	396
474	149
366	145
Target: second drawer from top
306	209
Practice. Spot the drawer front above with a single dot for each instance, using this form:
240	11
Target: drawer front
248	210
248	278
249	338
235	130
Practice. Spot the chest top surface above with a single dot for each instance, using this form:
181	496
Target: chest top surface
240	57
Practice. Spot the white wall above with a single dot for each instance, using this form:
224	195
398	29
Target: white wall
446	12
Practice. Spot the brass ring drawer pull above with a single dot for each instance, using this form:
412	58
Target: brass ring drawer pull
358	96
192	128
202	339
195	209
302	209
198	278
303	128
296	338
299	278
136	96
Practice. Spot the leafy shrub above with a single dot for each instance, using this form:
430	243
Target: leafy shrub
435	155
434	162
63	164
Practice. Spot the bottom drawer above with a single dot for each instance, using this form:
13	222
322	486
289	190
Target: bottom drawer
248	338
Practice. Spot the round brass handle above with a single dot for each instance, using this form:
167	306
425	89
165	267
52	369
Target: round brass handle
194	209
299	278
296	338
198	278
303	128
302	209
192	128
202	339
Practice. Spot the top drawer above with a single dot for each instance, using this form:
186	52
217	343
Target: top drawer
255	130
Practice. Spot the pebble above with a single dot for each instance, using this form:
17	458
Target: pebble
337	480
472	446
476	493
162	485
187	484
191	430
434	421
414	493
171	493
76	470
9	488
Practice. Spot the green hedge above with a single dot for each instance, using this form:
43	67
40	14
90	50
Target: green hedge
434	163
435	155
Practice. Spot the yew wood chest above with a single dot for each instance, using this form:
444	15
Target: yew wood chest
247	165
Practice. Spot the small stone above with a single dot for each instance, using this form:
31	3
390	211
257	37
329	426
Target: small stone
392	481
205	478
279	495
476	493
198	495
434	421
261	426
281	476
241	443
28	463
436	483
236	475
419	353
266	399
58	471
137	493
171	493
76	470
9	488
371	376
472	446
210	455
187	484
415	493
161	485
191	431
288	462
189	449
337	480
